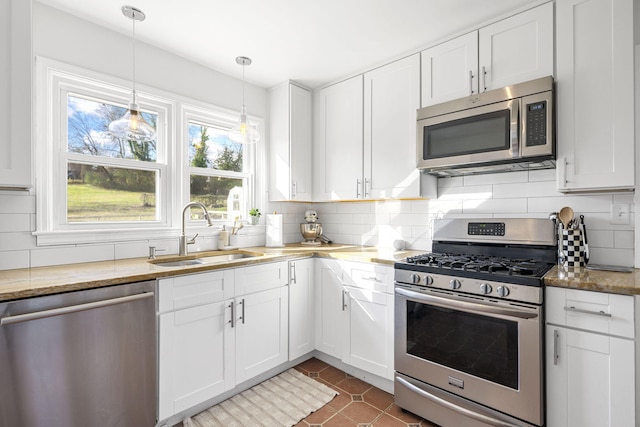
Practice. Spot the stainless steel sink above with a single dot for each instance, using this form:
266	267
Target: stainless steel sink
223	258
212	259
178	263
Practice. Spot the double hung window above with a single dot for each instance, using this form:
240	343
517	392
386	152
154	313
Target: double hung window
103	187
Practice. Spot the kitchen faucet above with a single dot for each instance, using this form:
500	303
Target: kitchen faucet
183	237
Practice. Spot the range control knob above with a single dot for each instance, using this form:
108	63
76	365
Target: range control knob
428	280
485	288
455	283
503	291
415	278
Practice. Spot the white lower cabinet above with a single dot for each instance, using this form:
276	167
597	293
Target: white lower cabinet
301	307
354	311
590	359
209	343
369	334
195	356
261	332
329	307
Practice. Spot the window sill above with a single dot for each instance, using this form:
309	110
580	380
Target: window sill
83	237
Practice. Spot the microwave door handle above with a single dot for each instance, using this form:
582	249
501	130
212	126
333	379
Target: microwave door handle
514	130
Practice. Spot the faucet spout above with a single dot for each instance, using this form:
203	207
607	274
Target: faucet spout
183	243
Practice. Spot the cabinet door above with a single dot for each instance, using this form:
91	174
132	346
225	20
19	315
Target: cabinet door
450	70
590	379
330	305
195	361
261	332
369	340
300	129
337	148
301	308
15	94
391	98
595	65
289	143
516	49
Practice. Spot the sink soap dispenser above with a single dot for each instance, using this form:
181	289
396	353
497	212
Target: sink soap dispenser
223	238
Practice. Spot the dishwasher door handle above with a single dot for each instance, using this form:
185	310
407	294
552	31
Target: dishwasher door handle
9	320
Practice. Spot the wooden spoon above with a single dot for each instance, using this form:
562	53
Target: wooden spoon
565	216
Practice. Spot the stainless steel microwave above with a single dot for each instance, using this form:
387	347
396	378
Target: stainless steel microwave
507	129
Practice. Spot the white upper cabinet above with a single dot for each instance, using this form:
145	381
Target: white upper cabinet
513	50
595	93
450	70
15	94
391	98
289	143
516	49
337	146
365	136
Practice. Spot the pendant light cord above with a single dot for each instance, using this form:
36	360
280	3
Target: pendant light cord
134	59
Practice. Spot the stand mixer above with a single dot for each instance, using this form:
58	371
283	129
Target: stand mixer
311	229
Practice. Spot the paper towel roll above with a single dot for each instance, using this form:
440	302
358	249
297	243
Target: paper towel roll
274	230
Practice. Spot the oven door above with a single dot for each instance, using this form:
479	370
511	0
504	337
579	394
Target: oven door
485	134
486	351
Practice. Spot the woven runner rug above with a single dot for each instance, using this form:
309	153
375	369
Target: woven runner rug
277	402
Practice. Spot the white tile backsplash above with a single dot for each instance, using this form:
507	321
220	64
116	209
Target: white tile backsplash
380	223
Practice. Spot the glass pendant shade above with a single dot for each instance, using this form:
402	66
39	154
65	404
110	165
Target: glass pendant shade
132	125
244	132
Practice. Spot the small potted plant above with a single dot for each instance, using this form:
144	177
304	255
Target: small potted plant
254	214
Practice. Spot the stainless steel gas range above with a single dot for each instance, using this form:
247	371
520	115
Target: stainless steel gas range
469	323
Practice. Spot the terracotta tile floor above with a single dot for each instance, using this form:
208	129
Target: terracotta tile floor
358	405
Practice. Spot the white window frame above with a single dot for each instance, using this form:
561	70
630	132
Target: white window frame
225	119
53	79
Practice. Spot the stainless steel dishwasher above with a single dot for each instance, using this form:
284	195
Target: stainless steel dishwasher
85	358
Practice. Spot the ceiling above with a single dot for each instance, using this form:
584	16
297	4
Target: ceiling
311	42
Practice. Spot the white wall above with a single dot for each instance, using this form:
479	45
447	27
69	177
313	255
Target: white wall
516	194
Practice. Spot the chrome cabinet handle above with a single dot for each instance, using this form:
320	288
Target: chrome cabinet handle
344	299
72	309
366	192
471	82
595	313
294	190
357	188
453	407
233	314
484	79
293	273
372	279
563	173
556	337
242	315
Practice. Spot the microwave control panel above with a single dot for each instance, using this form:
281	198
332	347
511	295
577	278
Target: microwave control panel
536	123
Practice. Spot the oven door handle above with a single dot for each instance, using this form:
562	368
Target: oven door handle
464	411
465	305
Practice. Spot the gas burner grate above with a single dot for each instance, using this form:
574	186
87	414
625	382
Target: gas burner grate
481	264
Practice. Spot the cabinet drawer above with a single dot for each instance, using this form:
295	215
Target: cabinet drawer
376	277
260	277
592	311
175	293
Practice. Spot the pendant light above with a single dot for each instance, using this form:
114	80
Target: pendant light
132	125
244	132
